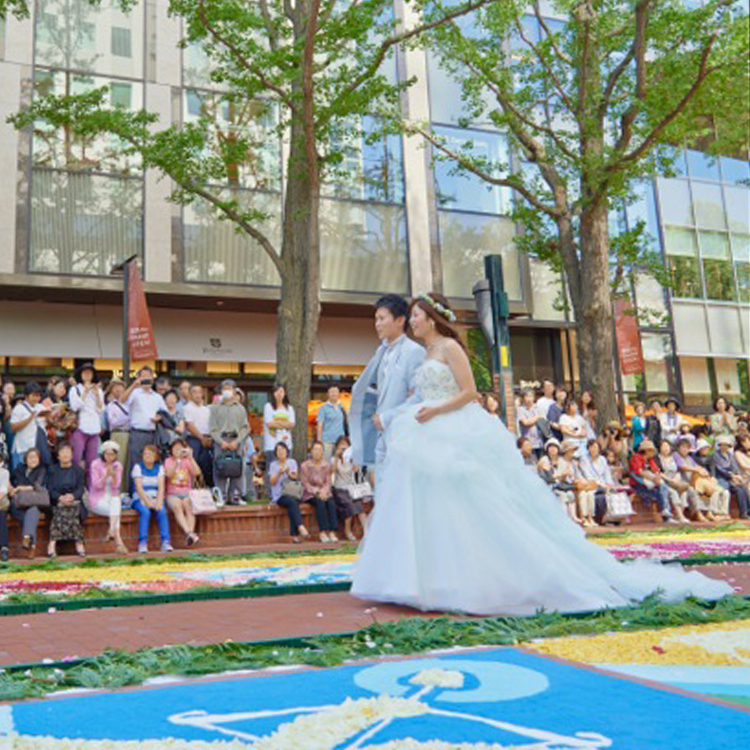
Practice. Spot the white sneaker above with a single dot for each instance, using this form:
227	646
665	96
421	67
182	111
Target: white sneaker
167	547
332	537
142	548
324	537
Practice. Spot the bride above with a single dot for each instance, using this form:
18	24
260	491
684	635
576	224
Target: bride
461	524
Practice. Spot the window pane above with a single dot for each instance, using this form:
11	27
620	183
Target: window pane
702	166
743	281
54	148
215	252
741	247
674	198
247	125
657	351
465	192
650	303
79	35
734	170
644	209
690	328
709	210
719	276
546	290
464	241
728	379
695	381
738	208
680	241
686	277
364	247
83	224
370	170
724	326
714	245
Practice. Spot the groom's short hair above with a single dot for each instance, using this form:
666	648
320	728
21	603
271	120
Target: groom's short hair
395	304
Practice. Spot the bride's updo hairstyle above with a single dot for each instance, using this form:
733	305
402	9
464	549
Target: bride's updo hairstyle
436	307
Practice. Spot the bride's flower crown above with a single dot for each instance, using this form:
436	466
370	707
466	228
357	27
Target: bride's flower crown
449	315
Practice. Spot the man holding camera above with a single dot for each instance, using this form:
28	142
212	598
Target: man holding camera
144	405
229	429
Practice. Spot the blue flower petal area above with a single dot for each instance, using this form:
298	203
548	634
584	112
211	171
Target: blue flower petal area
507	696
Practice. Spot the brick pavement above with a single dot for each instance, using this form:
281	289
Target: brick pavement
32	638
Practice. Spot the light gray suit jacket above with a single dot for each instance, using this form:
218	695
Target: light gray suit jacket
375	394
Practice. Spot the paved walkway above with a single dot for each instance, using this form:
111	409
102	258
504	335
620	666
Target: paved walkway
32	638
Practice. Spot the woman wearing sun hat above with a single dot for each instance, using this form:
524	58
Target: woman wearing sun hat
104	499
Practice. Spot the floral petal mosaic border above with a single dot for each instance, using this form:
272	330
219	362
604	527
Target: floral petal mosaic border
165	576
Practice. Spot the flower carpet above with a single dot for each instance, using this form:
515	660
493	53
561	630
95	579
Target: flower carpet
487	698
712	659
168	576
177	576
677	545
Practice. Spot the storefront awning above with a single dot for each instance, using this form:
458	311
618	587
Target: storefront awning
38	329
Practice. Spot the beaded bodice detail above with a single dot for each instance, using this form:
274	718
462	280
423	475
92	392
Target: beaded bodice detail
435	381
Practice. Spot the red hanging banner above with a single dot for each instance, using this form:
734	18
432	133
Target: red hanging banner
628	339
140	331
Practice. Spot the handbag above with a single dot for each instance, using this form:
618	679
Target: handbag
292	488
36	498
202	501
229	465
618	506
360	490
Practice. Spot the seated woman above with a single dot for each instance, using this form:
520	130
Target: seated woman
527	453
742	456
104	499
612	502
4	507
30	474
181	469
282	470
66	485
647	480
344	480
694	475
574	429
148	477
678	489
729	475
559	474
719	496
316	482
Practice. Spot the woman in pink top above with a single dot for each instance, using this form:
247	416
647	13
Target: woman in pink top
105	478
181	469
316	475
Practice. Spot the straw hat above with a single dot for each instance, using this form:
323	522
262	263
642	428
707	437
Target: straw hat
701	444
646	445
568	445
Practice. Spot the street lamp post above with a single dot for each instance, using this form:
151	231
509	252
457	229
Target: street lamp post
493	311
122	268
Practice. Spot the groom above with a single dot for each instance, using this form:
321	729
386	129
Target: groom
386	384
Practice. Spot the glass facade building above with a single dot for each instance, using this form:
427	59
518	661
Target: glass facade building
391	220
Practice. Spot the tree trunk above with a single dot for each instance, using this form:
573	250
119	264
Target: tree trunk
299	309
593	311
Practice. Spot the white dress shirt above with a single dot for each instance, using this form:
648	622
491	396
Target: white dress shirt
143	406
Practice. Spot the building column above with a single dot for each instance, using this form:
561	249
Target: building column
416	104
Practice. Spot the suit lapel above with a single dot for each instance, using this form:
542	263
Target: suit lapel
395	357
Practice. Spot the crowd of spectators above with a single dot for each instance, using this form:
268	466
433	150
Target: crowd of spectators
689	469
77	447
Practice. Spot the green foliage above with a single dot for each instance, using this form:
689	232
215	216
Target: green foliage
594	104
407	636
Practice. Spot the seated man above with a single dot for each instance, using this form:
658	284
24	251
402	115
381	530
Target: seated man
647	481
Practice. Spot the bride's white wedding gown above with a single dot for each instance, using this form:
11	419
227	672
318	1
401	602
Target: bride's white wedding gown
461	524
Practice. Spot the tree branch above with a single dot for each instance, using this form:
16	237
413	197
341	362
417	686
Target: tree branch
704	71
545	64
249	67
273	37
405	36
470	166
543	23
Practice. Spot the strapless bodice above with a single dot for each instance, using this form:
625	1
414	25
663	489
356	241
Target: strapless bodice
436	382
